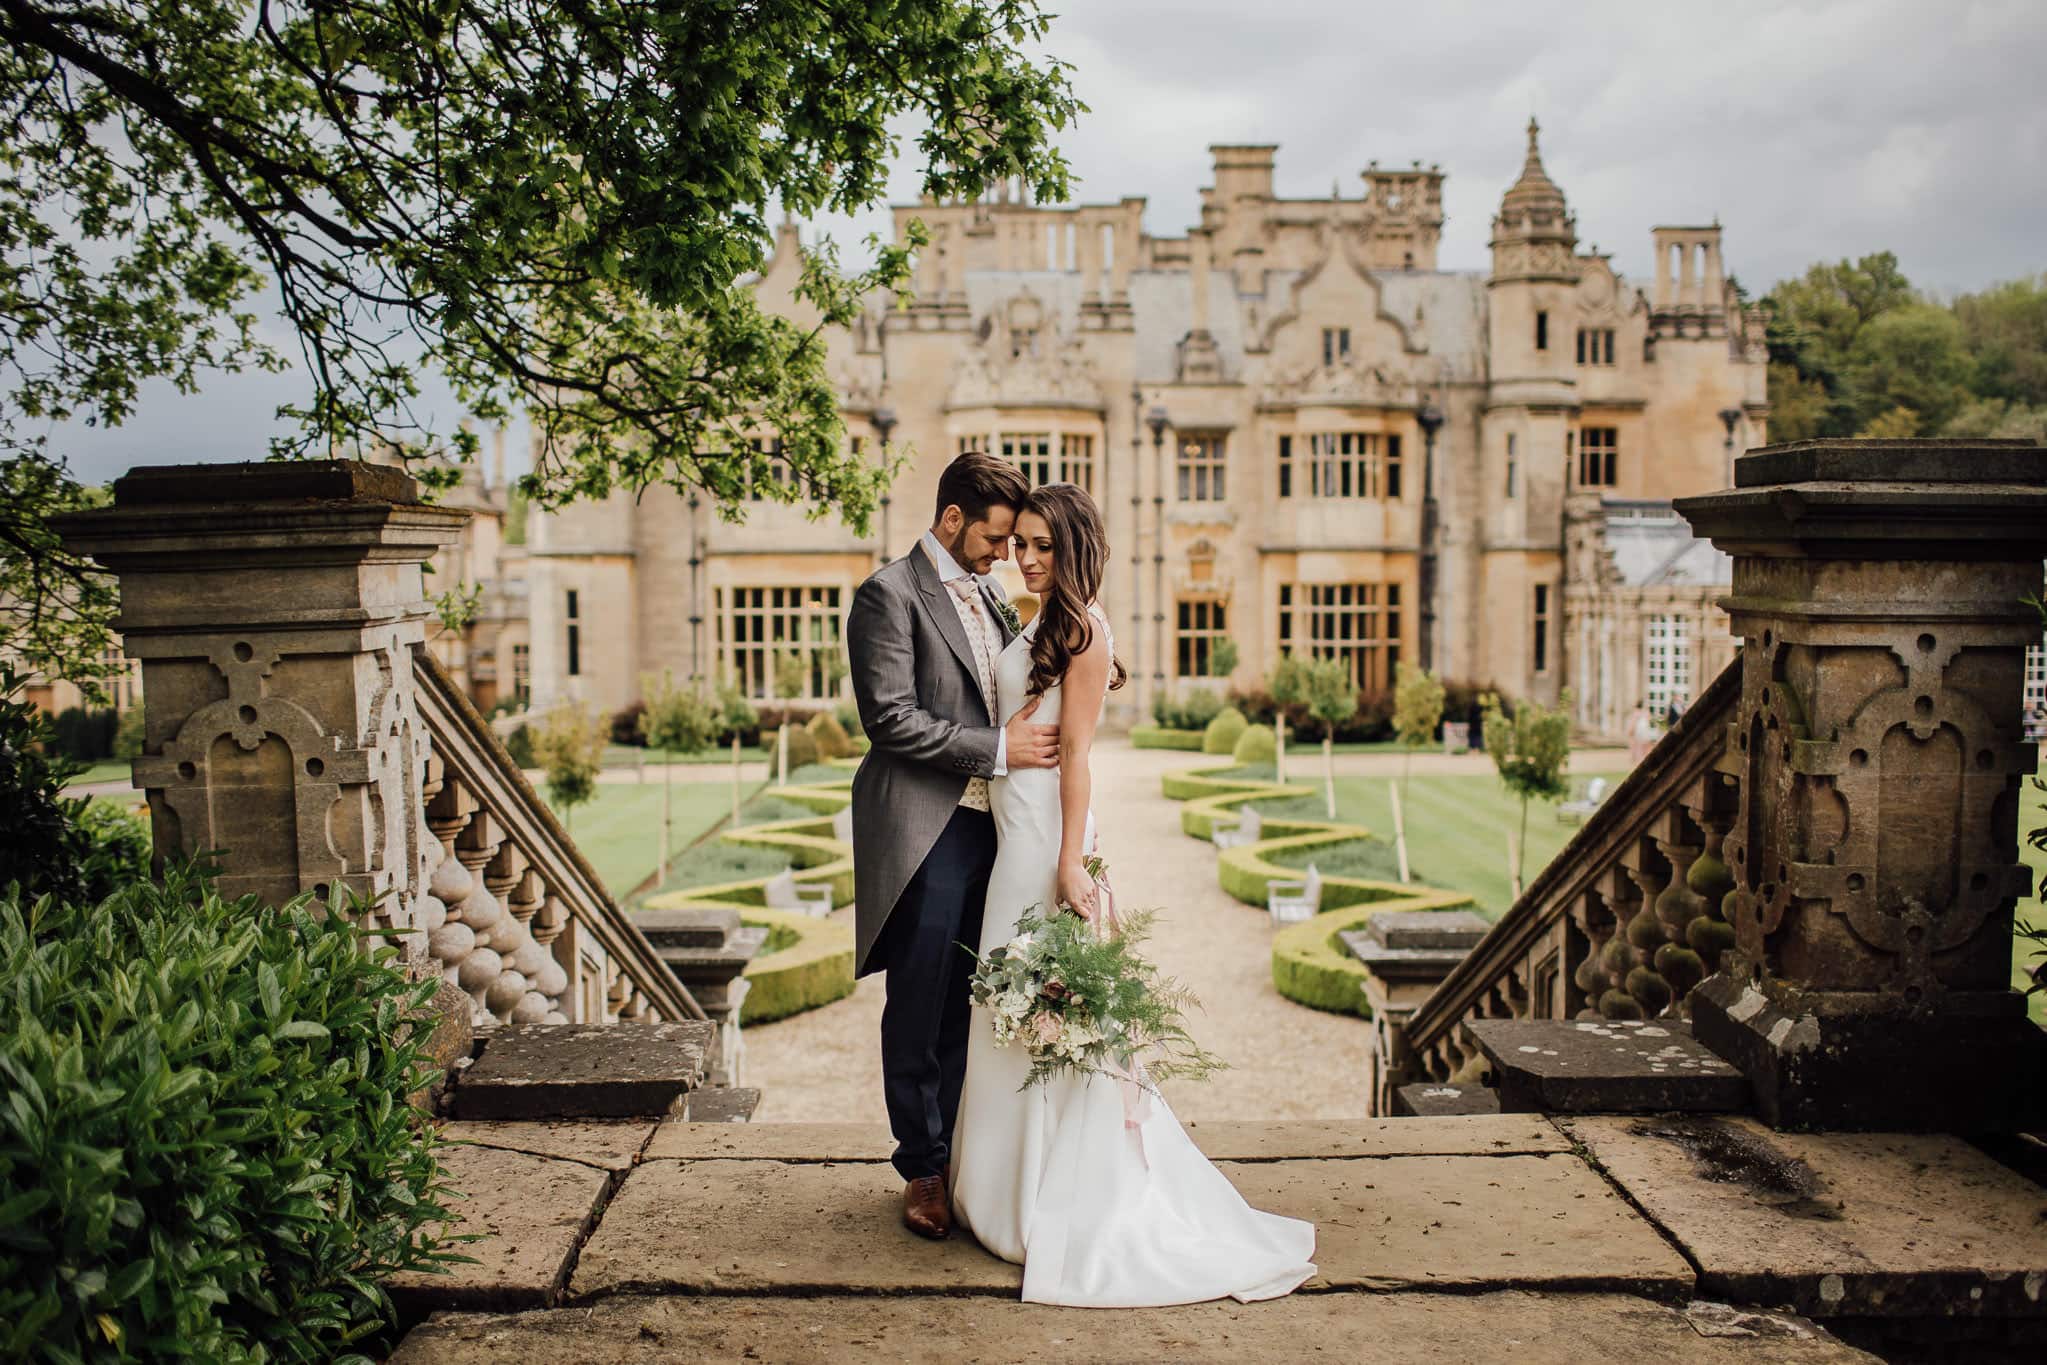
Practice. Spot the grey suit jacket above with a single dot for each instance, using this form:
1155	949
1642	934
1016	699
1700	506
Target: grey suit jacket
921	705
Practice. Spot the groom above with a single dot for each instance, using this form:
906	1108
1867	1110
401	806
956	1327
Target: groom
923	635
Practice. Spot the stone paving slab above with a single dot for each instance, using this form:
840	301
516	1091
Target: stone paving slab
545	1071
532	1212
751	1226
1565	1066
608	1144
676	1139
1835	1223
1477	1135
1221	1139
1461	1222
1386	1329
731	1227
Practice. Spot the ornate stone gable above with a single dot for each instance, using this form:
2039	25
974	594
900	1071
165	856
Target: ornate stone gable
1341	386
1020	358
1340	289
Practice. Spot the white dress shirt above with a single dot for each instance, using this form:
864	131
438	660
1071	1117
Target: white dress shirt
949	569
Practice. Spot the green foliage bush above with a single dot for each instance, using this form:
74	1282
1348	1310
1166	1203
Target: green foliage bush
803	749
46	842
519	744
1191	711
129	733
87	736
206	1151
1255	747
830	737
1224	731
849	719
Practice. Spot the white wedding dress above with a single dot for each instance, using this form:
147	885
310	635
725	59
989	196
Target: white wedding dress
1100	1213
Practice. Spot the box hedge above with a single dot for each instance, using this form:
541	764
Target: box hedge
1224	731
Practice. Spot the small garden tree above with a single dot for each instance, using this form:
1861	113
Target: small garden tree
737	716
792	675
1530	751
1289	687
1417	711
677	720
1222	658
1332	698
569	746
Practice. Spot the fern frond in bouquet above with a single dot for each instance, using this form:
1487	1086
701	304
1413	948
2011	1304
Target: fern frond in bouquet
1085	1000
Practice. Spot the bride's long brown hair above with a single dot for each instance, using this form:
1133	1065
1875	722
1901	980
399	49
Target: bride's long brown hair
1080	551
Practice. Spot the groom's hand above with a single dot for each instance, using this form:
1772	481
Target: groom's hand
1031	746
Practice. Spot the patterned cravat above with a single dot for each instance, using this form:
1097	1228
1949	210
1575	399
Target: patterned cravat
966	600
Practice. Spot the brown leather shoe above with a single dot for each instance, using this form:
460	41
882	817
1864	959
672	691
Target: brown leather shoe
925	1210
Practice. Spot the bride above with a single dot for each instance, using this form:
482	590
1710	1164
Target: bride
1106	1204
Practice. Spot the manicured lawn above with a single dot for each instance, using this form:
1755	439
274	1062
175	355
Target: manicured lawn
619	830
1456	830
106	770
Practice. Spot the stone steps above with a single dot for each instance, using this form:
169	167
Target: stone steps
1604	1066
602	1071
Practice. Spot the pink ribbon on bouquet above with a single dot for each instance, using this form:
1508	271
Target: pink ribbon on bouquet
1130	1077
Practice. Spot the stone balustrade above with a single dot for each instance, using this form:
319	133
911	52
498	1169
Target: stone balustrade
299	730
1818	865
1621	924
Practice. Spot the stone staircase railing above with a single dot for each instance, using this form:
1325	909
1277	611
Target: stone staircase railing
1621	924
516	917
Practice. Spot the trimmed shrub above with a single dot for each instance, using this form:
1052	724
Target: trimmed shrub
519	744
830	737
1224	731
1191	711
1158	737
803	749
1311	967
1254	747
207	1152
805	963
849	719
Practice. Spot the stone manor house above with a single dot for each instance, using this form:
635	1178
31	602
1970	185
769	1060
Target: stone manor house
1303	433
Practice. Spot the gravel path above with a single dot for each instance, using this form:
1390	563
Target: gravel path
1286	1061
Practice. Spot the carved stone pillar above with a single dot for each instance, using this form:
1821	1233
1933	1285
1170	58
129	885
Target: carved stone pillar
1879	591
275	608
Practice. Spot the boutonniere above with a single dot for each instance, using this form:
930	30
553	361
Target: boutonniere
1009	616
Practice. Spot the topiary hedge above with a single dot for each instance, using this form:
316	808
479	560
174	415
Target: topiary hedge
805	963
1159	737
206	1151
1256	745
1224	731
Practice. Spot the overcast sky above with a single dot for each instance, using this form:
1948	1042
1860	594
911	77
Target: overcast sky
1812	131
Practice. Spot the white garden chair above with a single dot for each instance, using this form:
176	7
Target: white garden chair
1247	828
1576	809
1290	902
784	892
842	825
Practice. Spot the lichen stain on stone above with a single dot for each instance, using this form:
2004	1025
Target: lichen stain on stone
1729	1156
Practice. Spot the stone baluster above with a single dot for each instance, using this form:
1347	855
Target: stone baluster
1678	904
1650	873
1617	955
1590	974
1880	591
1710	806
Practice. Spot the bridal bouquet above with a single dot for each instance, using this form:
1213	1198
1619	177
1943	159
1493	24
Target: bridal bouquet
1080	998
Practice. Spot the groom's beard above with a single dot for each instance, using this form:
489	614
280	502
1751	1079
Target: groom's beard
958	551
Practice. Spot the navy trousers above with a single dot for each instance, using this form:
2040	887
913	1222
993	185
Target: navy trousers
926	950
